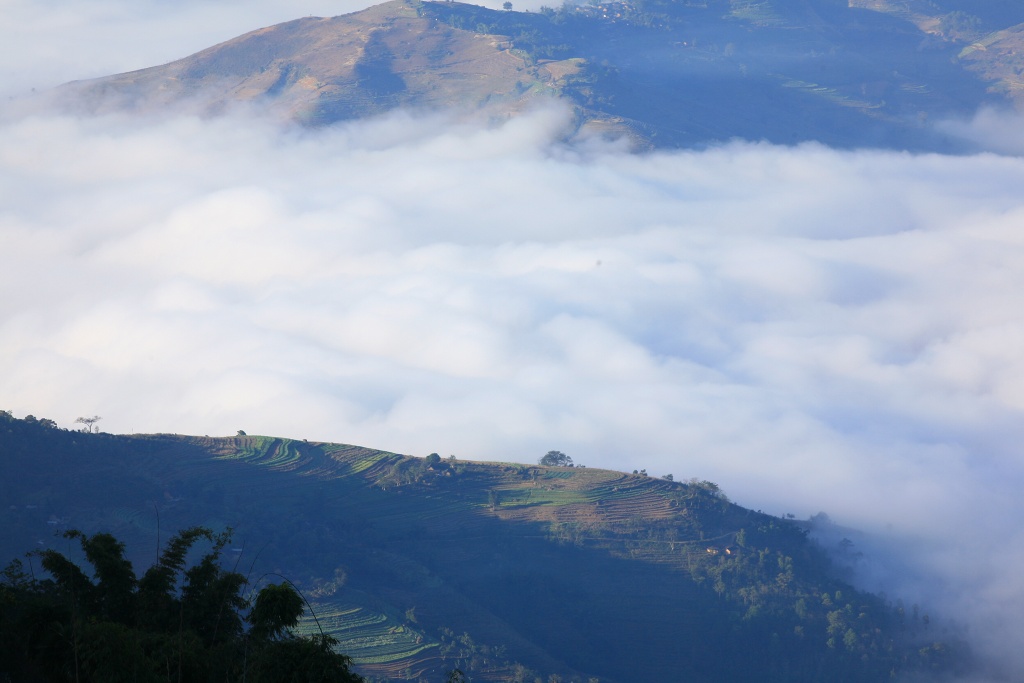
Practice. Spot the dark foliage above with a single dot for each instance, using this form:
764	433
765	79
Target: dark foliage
556	459
173	624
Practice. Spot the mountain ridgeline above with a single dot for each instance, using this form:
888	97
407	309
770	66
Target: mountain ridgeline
662	72
509	572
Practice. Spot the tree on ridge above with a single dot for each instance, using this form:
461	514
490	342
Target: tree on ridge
556	459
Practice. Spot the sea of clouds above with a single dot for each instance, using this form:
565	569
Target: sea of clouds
812	329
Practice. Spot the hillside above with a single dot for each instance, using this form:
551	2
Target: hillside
509	571
665	72
319	70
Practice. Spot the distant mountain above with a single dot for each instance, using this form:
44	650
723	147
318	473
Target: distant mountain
510	572
323	70
666	72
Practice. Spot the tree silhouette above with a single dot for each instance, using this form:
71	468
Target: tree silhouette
172	624
556	459
89	422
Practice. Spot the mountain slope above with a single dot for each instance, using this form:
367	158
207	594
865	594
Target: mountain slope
322	70
671	72
419	565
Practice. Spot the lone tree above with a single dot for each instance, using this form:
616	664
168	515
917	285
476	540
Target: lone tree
556	459
89	422
456	676
507	6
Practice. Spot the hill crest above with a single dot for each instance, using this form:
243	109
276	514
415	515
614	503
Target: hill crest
319	70
421	564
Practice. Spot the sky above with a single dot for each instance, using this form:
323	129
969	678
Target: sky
812	329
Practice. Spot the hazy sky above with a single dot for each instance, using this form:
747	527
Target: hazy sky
812	329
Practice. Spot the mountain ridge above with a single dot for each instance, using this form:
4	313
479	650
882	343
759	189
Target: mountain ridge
663	72
326	69
421	564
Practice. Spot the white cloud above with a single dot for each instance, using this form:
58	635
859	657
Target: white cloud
686	300
995	129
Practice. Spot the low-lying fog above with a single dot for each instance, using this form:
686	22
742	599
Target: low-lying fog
812	329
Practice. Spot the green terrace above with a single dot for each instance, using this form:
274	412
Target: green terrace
367	636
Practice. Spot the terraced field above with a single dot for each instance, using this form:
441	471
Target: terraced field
999	59
371	638
596	500
758	13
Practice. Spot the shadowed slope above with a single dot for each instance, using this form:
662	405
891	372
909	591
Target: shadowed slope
418	565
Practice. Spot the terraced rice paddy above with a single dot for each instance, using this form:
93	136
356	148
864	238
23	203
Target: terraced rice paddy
834	96
368	637
759	13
